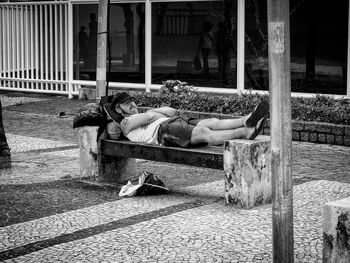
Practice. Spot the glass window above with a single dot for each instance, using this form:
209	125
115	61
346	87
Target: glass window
196	41
319	35
318	46
183	31
127	21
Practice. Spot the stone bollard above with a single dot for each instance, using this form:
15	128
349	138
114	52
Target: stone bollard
103	169
88	152
336	231
87	93
247	172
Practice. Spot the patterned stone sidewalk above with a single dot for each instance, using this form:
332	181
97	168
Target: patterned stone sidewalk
40	160
49	227
191	224
206	232
18	100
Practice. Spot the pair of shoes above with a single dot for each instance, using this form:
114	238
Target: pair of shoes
259	112
258	128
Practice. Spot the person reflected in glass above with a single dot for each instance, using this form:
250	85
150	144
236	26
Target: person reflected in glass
83	39
92	43
206	43
219	47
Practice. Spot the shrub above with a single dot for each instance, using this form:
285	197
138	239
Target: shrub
182	96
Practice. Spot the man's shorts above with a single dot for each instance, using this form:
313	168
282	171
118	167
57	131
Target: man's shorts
176	131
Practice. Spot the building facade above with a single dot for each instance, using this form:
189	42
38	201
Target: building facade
51	46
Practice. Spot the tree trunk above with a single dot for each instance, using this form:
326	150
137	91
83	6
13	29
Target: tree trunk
5	156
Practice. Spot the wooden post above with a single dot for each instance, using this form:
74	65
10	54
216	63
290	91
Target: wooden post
348	63
101	49
281	130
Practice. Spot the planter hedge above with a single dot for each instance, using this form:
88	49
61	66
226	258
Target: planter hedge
319	108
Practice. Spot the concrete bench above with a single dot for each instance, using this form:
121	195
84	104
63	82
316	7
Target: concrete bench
245	163
336	231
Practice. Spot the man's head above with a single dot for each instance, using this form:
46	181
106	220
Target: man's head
124	103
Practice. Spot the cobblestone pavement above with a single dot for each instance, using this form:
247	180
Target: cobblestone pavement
191	224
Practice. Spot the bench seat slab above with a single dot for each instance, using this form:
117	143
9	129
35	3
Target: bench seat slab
209	157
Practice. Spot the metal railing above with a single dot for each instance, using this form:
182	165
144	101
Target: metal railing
34	47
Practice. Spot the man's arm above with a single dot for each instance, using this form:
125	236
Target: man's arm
167	111
135	121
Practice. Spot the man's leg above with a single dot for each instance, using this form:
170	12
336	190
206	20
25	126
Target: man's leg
218	137
249	120
226	124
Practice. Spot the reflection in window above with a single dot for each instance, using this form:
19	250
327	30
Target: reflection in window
182	31
127	47
318	46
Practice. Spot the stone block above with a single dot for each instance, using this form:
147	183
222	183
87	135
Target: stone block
323	128
313	137
215	115
227	116
97	168
347	140
310	126
87	93
196	114
330	138
347	130
338	129
247	172
338	139
321	137
184	114
295	136
88	152
304	136
336	231
298	126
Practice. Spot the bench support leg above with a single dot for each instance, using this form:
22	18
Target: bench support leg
116	169
102	169
88	152
247	172
336	231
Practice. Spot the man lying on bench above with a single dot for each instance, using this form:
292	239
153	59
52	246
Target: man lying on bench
162	126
